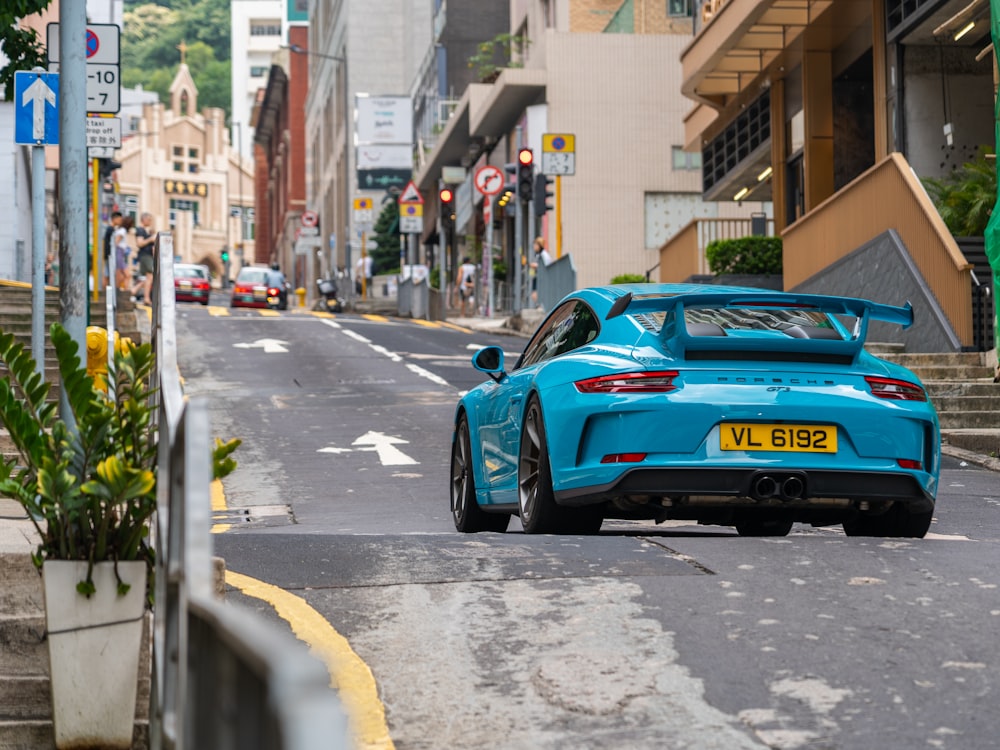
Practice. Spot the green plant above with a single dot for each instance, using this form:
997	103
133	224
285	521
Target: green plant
746	255
629	278
497	53
965	197
499	270
87	482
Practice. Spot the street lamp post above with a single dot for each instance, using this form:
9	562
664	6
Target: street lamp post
346	240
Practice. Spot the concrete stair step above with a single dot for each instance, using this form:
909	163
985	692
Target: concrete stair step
978	388
37	735
936	359
21	591
969	419
984	442
953	372
25	697
23	651
960	403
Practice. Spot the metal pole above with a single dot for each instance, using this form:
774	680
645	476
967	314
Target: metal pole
38	253
95	234
518	236
558	215
488	257
73	175
992	234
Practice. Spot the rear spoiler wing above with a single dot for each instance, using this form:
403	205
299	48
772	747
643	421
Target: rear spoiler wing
678	339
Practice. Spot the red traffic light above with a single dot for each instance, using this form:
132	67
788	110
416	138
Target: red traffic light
525	157
446	195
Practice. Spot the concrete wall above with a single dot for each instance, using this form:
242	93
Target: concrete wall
883	271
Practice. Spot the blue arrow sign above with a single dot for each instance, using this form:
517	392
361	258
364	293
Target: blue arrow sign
36	108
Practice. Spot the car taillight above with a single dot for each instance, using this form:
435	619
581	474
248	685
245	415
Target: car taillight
898	390
630	382
273	291
909	463
623	458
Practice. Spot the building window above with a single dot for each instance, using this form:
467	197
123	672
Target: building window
686	160
178	151
678	8
265	28
258	71
178	166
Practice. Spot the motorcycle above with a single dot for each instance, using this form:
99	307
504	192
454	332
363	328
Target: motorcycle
328	295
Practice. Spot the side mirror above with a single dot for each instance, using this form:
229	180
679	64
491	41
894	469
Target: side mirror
490	361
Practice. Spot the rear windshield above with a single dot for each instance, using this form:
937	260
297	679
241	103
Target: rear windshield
190	272
253	276
707	321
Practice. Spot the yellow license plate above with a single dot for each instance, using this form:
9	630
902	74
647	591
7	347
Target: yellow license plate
797	438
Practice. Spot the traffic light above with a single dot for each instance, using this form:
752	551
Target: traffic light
525	173
446	198
543	183
225	255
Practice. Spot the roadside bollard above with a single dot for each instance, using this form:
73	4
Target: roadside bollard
97	354
301	294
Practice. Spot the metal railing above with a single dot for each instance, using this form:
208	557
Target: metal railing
222	677
683	255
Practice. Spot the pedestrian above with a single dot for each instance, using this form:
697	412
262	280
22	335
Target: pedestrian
109	233
145	241
541	254
123	255
363	270
466	287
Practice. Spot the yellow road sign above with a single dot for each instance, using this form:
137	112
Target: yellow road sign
558	143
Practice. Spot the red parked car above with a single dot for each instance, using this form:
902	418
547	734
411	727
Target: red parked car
260	287
191	283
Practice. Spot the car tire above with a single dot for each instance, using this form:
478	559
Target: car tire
535	499
763	527
469	518
898	521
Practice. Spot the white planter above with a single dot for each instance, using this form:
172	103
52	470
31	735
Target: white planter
93	652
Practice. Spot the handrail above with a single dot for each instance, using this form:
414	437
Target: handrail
683	255
222	678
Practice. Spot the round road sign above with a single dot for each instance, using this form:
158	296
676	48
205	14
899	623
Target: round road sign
489	180
309	219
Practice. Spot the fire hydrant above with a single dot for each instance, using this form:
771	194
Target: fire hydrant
301	294
97	354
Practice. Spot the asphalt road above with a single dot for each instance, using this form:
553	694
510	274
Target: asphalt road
671	636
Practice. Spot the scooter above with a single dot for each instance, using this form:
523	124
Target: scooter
328	294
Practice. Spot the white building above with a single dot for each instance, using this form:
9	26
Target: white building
258	29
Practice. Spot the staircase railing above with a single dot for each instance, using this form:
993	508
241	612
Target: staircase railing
222	678
683	255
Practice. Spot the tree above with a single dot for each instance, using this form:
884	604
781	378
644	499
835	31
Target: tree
152	33
21	46
385	256
966	196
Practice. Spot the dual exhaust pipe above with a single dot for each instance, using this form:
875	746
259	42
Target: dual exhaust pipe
784	486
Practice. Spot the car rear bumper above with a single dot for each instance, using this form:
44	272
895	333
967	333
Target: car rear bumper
744	486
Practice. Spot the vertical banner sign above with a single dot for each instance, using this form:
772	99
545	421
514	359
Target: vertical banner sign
992	237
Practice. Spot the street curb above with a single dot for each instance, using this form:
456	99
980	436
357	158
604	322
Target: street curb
976	459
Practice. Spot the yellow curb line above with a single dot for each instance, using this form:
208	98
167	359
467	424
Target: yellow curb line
218	506
456	327
375	318
349	675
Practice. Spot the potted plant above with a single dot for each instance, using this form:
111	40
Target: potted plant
88	483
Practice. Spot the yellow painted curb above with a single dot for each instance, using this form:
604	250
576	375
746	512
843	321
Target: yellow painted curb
349	675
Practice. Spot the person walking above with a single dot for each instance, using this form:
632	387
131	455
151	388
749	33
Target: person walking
466	287
541	256
363	270
123	255
145	241
109	243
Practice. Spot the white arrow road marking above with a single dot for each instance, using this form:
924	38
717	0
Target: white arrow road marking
270	346
382	444
385	447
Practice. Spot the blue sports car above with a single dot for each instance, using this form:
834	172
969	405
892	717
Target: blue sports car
740	407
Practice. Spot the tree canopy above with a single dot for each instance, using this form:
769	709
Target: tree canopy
151	37
22	47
